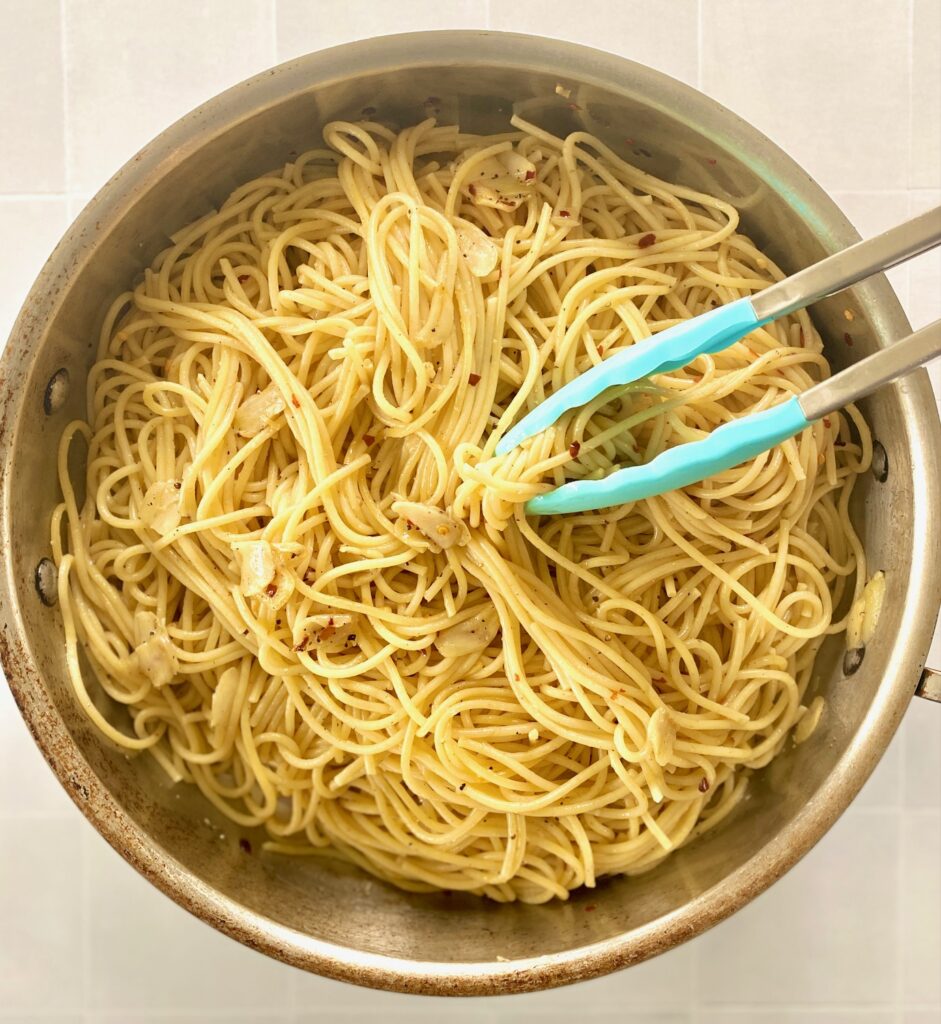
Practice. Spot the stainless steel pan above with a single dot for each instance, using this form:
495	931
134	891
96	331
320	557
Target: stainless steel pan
329	918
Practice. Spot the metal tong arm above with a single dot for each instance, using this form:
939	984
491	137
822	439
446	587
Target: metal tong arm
844	268
719	328
744	438
872	372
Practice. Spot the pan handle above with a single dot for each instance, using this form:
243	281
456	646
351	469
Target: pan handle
929	686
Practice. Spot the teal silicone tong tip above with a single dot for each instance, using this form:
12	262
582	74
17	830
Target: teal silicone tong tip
670	350
739	440
727	446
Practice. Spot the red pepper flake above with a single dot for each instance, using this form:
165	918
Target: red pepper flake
271	589
647	241
590	908
326	633
472	188
295	401
630	142
368	440
302	646
711	161
848	339
530	175
704	785
564	213
244	845
574	449
826	422
601	350
839	444
242	278
473	379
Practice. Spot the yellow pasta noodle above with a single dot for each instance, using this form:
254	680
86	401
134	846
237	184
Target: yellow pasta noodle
301	568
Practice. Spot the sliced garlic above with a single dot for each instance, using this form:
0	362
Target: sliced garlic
471	636
161	508
864	615
503	182
154	655
478	250
854	622
333	633
258	562
874	598
258	411
223	700
661	735
438	527
519	167
809	719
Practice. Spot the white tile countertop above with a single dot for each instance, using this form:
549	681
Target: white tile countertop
852	89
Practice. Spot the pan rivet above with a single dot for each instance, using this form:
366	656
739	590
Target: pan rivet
880	462
56	391
45	579
852	660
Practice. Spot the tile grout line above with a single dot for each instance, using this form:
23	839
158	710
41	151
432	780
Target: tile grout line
695	1002
815	1007
273	14
85	925
85	878
901	820
14	197
899	898
64	68
699	34
909	175
85	882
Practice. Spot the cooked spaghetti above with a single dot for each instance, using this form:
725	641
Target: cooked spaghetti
300	567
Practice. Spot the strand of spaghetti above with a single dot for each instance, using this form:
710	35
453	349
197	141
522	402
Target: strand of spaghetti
341	626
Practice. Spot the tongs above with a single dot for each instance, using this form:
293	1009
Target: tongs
742	439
